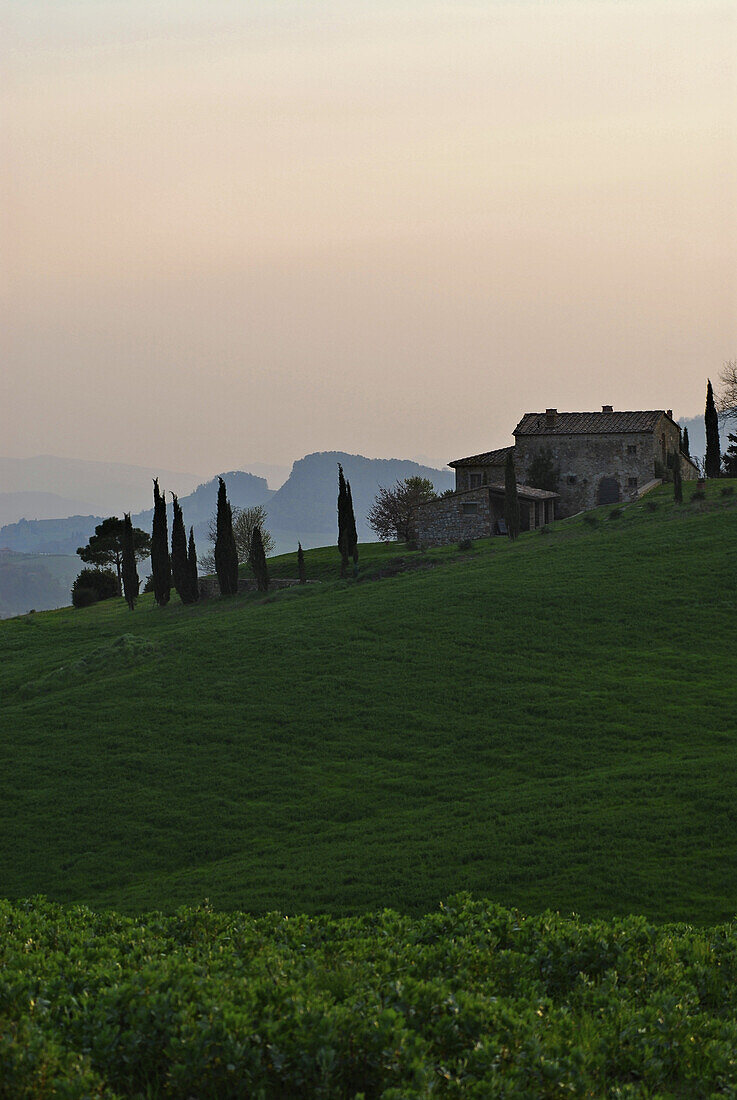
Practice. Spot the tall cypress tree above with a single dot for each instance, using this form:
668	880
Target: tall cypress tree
131	582
677	479
301	571
511	502
257	560
352	535
226	554
343	535
179	563
160	564
711	421
685	445
194	584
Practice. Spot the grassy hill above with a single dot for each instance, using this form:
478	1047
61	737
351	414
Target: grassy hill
548	724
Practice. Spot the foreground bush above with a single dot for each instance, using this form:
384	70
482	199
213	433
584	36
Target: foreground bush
92	585
471	1001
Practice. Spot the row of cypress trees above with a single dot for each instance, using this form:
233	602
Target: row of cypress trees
178	568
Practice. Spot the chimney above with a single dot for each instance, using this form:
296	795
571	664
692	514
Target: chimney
551	415
607	408
669	413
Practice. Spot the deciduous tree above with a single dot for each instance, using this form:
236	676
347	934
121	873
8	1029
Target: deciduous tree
542	473
393	515
730	457
727	404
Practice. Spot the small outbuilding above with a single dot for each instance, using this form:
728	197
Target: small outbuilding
478	513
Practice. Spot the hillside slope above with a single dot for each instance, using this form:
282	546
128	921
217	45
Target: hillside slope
549	724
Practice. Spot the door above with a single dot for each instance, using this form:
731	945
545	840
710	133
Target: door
609	492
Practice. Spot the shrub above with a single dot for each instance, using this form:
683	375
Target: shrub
413	544
698	495
727	491
102	583
545	530
651	505
465	544
615	513
592	521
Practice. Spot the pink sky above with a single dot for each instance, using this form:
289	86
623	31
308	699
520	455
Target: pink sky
389	228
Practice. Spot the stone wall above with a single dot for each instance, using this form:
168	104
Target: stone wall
209	585
443	521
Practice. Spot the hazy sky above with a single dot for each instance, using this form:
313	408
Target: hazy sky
239	232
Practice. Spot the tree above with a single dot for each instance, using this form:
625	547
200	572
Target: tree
393	515
244	522
343	535
131	582
180	567
301	571
226	555
730	457
258	561
92	585
194	584
542	473
677	479
160	564
511	501
106	546
351	532
711	421
685	445
727	404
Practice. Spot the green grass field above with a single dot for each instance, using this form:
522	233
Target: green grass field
550	724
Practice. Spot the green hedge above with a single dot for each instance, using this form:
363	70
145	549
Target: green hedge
471	1001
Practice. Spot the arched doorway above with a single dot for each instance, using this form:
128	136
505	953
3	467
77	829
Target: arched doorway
609	492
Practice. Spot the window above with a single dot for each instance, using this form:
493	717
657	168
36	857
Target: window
469	508
631	448
572	479
631	482
474	481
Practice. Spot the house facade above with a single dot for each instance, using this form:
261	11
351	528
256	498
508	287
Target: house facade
598	457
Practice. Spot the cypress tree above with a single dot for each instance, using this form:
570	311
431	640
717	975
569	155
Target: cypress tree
301	571
352	535
160	564
677	480
130	573
226	554
343	536
194	584
685	446
711	421
257	560
511	503
179	563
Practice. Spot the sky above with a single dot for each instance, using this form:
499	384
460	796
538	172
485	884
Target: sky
240	232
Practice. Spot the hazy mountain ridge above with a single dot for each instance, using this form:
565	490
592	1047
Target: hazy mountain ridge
35	581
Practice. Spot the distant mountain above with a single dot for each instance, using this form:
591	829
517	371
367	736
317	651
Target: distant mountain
109	487
33	504
35	582
305	507
63	536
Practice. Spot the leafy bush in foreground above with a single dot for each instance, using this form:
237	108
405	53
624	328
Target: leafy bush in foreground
471	1001
92	585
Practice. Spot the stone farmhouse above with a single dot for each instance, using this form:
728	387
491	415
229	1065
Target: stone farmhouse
600	457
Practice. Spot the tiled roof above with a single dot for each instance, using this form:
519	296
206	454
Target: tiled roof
488	458
526	492
589	423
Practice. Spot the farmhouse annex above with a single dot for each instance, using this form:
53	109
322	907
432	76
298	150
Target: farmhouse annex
600	458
